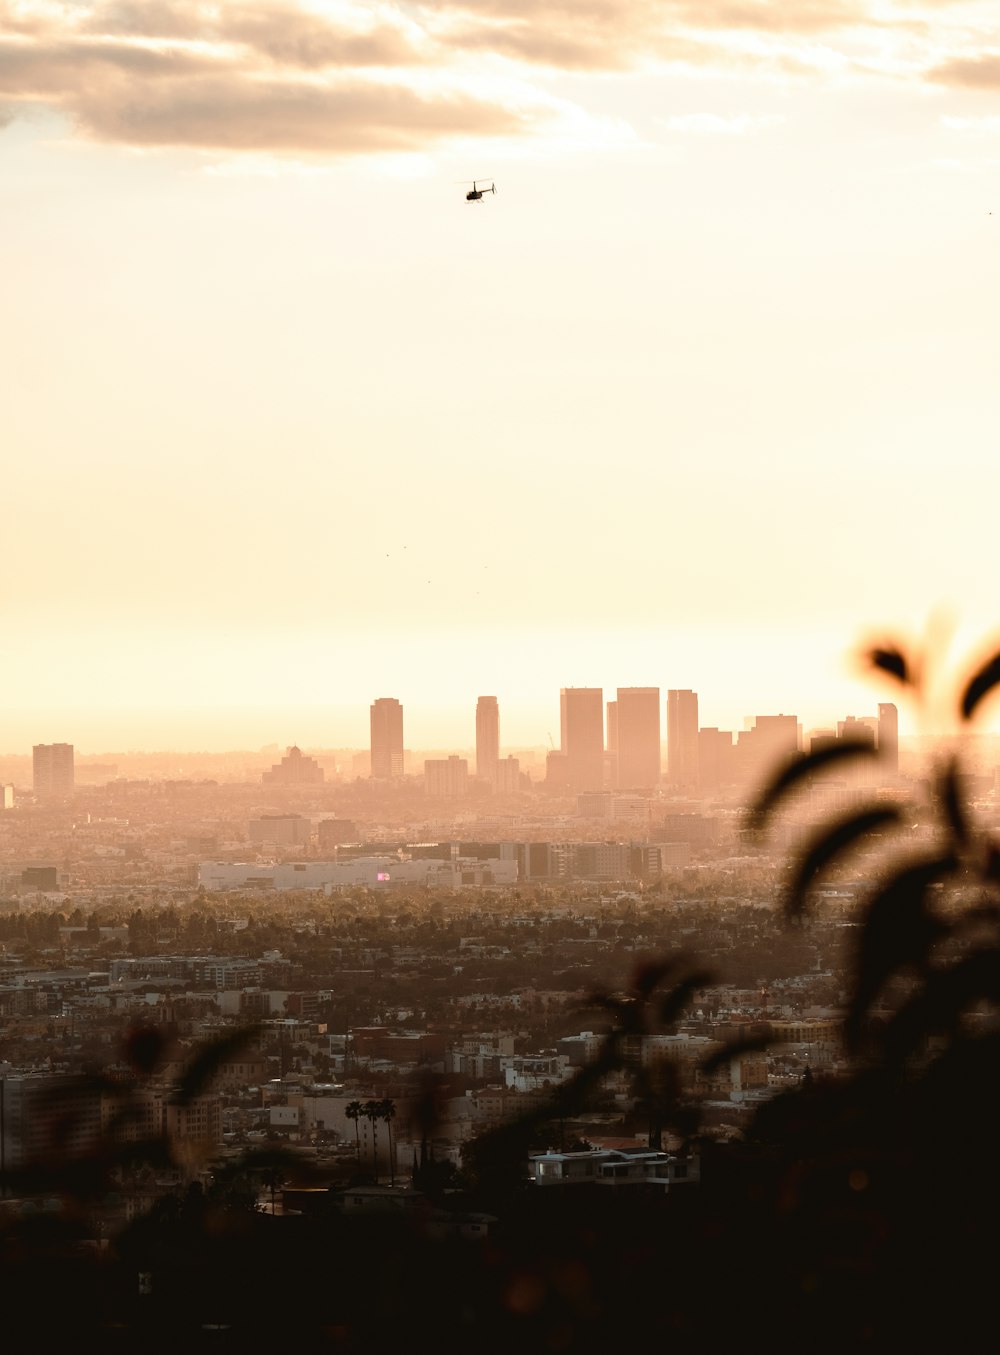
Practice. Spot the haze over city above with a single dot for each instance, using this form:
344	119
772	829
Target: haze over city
696	399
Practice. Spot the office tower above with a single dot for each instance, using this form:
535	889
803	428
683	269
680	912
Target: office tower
7	797
682	738
858	729
52	770
487	737
715	759
581	725
294	769
508	776
446	778
888	737
771	740
387	738
612	718
638	737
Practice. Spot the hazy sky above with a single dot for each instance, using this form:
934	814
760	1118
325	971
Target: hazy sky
708	389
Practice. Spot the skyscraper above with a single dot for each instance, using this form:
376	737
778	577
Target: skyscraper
387	738
715	759
771	740
52	770
888	737
487	737
638	737
682	738
581	726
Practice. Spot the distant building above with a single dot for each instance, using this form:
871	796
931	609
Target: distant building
331	832
386	738
487	737
682	738
888	737
611	721
507	780
446	778
715	760
556	770
40	877
771	740
282	830
294	769
6	797
581	724
637	737
373	871
52	770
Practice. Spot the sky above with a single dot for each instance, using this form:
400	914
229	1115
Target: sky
702	397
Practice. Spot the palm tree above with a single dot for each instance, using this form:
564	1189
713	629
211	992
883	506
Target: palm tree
354	1111
387	1112
372	1111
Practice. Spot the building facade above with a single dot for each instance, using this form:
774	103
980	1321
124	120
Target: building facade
52	770
487	737
581	726
386	738
637	736
682	738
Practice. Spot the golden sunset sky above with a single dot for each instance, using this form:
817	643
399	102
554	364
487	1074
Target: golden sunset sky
705	392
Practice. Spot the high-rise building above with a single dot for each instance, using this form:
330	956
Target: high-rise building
858	729
581	725
612	723
387	738
638	737
772	739
888	737
446	778
508	776
715	759
52	770
487	737
682	738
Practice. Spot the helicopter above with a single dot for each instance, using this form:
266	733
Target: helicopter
475	193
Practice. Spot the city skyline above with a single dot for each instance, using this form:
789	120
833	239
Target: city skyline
595	746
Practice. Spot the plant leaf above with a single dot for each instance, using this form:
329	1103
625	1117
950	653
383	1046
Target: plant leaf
979	685
890	660
828	845
207	1061
899	930
949	794
802	766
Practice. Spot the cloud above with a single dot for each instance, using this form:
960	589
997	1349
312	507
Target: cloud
980	72
345	76
286	115
257	78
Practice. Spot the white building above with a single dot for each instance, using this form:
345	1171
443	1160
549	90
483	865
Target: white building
372	871
615	1167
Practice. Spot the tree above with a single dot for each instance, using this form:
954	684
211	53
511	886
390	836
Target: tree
373	1113
354	1110
388	1113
